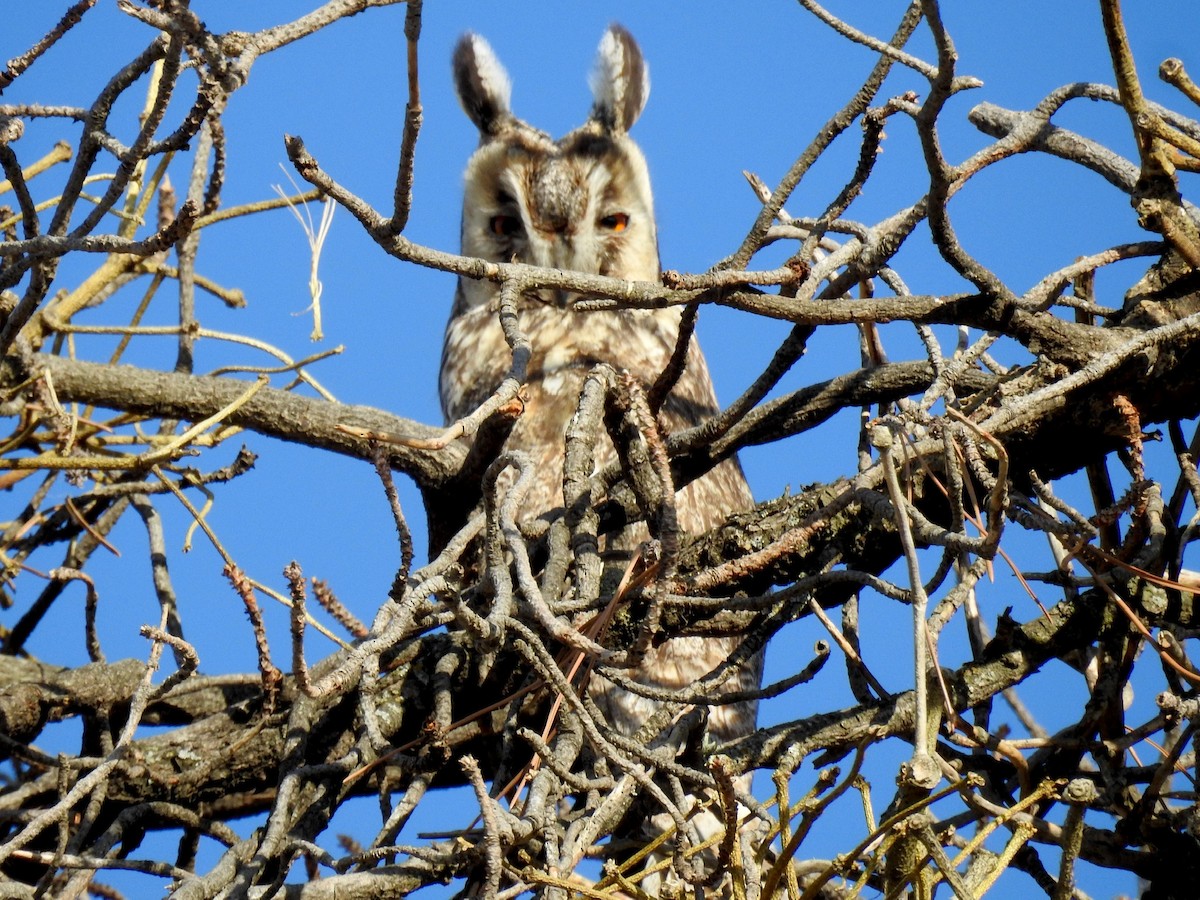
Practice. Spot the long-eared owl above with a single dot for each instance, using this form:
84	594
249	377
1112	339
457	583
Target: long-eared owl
581	203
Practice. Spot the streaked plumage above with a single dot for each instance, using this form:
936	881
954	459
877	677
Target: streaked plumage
583	203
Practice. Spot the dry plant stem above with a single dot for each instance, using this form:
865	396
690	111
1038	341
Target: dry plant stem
810	809
872	43
625	293
413	116
19	64
835	126
852	655
186	252
1002	819
118	268
210	99
169	54
95	863
96	778
75	558
296	366
998	494
493	852
174	330
667	522
614	749
924	772
504	537
872	126
481	621
295	579
943	177
518	274
842	864
269	672
786	355
666	381
784	276
157	546
1048	290
331	604
247	209
1035	133
1139	625
581	519
60	152
16	182
189	660
186	437
91	143
1156	196
506	394
204	526
384	471
1125	70
1157	128
933	848
1078	794
1025	409
62	573
1173	72
729	572
272	412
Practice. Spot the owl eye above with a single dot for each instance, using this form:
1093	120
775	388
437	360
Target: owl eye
504	226
615	222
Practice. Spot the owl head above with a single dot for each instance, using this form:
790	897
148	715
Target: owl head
580	203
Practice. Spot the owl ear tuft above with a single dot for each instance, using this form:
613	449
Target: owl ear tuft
483	86
620	81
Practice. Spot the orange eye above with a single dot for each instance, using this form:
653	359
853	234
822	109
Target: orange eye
504	226
615	222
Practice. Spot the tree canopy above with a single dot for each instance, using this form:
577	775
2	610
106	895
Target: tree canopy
977	615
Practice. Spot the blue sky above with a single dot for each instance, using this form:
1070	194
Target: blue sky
734	86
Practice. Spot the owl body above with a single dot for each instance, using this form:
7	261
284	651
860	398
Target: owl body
581	203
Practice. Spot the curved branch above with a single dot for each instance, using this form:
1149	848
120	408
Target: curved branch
281	414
